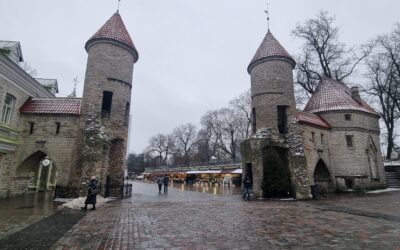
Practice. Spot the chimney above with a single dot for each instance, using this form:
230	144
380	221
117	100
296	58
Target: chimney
355	94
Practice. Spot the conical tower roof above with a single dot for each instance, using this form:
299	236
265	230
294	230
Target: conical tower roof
114	31
270	49
332	95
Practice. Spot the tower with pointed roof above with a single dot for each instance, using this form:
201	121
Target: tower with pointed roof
274	157
106	99
271	71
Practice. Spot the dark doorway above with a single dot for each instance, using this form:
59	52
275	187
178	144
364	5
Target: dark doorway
276	179
322	177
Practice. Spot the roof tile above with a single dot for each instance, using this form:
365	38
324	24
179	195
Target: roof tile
269	48
333	95
312	119
53	106
114	29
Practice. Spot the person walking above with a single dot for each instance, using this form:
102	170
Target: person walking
166	182
247	186
92	192
159	183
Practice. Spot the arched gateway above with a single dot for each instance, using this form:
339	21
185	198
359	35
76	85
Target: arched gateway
37	173
322	176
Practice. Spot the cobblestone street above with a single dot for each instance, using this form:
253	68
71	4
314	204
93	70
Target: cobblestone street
193	220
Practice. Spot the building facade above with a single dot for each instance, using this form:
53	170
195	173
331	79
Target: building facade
53	143
333	142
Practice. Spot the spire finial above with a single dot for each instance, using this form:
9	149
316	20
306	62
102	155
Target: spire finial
267	12
118	6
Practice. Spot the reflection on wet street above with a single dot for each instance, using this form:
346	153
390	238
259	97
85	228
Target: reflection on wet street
19	212
216	189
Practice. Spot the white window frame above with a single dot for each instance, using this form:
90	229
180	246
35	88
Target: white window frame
8	109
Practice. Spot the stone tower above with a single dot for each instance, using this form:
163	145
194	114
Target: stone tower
106	103
273	158
271	71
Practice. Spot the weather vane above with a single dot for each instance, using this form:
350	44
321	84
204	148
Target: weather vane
267	12
118	5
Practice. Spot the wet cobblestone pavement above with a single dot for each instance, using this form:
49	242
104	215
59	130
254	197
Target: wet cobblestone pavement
195	220
19	212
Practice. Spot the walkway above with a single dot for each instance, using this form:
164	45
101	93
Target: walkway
192	220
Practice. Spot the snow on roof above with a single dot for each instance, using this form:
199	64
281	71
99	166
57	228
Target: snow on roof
312	119
333	95
269	48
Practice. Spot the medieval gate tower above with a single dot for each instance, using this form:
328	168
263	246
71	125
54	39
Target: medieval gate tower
106	104
273	157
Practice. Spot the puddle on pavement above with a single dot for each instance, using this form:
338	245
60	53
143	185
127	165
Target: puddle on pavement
19	212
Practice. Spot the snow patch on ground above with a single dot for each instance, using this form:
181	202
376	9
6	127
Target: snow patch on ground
383	190
80	202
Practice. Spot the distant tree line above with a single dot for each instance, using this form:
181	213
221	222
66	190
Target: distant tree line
216	140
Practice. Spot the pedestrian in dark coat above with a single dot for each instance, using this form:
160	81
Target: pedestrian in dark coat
247	186
166	181
159	183
93	190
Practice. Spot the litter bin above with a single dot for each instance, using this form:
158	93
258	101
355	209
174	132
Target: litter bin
315	191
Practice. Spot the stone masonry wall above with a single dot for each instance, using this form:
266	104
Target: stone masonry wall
59	147
109	68
271	85
316	150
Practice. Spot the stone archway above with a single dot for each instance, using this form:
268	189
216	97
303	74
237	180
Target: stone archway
276	177
37	173
322	177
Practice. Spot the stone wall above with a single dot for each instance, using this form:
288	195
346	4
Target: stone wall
109	68
350	167
271	85
253	152
58	147
317	150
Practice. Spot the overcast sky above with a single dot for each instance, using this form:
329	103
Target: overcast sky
193	54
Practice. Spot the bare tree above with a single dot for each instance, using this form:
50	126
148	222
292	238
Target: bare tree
185	139
208	136
162	145
323	54
234	129
28	69
242	107
383	74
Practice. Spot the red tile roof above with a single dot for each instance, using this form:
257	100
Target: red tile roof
270	48
114	29
53	106
316	120
332	95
